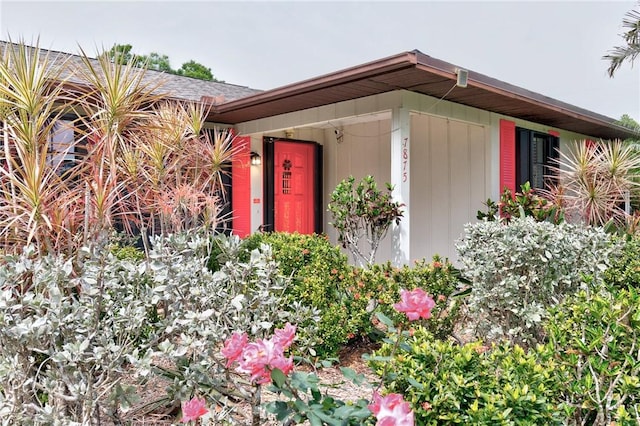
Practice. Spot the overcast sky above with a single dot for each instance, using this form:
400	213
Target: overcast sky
553	48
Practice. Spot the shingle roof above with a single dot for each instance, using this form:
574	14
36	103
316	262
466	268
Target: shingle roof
175	86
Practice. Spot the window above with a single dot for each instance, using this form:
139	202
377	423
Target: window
61	151
536	155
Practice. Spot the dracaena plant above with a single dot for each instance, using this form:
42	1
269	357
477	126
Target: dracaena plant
362	215
597	180
142	162
34	197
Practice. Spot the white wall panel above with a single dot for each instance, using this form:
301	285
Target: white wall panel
448	182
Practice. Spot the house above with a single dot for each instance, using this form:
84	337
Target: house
447	139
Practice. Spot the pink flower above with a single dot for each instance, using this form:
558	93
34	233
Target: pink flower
282	363
193	410
284	337
415	303
255	358
260	357
391	410
233	347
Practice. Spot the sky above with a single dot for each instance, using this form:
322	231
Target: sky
554	48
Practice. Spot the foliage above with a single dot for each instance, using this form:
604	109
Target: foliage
203	308
67	338
67	332
317	270
122	53
131	170
595	344
194	69
624	269
520	269
527	202
472	384
361	212
305	401
631	49
597	180
377	289
627	121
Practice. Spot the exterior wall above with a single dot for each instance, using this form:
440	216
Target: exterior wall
454	160
449	181
364	149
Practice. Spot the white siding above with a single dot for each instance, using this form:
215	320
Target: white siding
448	182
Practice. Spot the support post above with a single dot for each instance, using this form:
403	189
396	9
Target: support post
401	181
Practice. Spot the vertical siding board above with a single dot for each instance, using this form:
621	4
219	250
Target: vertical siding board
420	181
507	155
460	178
478	172
440	184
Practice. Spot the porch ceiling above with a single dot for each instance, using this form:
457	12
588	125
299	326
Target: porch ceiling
417	72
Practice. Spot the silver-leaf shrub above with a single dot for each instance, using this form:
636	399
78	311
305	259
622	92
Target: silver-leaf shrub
519	269
203	308
72	329
68	334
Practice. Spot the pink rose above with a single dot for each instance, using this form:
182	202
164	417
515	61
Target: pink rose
284	337
282	363
391	410
194	409
234	346
415	303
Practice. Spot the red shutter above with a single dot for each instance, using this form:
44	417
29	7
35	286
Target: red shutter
507	155
241	186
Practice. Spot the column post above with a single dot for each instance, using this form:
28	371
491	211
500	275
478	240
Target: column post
401	181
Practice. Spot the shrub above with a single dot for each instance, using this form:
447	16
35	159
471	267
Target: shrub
317	270
624	271
68	336
378	288
594	337
520	269
69	331
472	384
362	213
527	202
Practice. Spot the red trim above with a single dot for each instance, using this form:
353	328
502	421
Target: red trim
554	133
507	155
241	186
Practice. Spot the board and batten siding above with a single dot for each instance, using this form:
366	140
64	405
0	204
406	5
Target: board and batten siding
364	149
449	175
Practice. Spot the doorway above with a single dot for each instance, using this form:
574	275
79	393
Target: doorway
292	186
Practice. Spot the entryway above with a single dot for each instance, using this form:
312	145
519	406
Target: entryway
293	186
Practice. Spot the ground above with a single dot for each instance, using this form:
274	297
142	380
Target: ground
350	356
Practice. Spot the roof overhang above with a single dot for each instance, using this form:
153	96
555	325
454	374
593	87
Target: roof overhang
417	72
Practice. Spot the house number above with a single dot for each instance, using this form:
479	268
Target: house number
405	159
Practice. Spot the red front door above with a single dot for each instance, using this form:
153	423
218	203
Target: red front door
294	187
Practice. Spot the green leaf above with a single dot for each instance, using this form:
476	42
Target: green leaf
278	377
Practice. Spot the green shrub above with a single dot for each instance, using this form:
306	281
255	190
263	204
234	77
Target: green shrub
378	289
317	270
594	337
624	270
472	384
527	202
519	269
362	215
127	253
